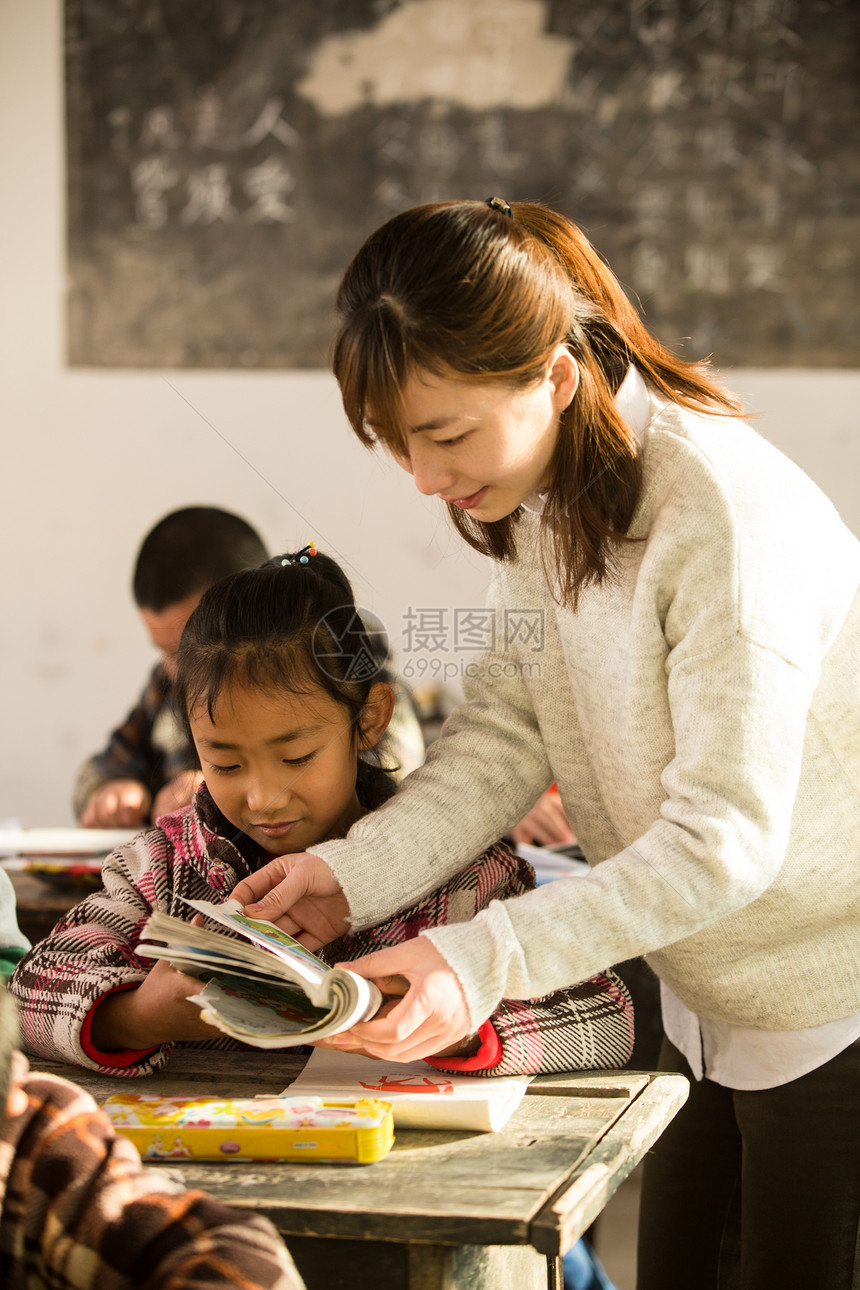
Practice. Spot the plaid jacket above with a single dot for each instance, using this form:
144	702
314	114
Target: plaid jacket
79	1212
94	951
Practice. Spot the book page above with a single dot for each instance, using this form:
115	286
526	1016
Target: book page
267	936
259	1015
247	995
197	948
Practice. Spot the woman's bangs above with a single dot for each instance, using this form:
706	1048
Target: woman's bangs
370	384
384	421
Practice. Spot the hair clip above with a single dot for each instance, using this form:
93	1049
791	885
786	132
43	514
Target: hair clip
499	204
301	557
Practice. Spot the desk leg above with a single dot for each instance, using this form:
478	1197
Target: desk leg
328	1264
480	1267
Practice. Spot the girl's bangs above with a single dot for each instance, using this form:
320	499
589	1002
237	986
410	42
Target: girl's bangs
251	667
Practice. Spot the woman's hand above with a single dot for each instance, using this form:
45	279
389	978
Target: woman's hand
428	1020
157	1012
300	894
393	989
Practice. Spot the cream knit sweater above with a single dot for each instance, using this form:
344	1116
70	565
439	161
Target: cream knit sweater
701	717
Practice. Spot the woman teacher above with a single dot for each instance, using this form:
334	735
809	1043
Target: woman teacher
677	647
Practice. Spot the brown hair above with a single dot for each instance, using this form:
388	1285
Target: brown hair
462	289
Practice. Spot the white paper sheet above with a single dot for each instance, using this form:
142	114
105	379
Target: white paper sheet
62	841
422	1097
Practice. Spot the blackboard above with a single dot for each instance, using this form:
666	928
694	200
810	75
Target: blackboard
227	157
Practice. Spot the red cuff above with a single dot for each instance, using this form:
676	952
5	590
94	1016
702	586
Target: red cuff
126	1057
487	1056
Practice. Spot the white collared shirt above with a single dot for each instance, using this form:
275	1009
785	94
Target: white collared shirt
742	1058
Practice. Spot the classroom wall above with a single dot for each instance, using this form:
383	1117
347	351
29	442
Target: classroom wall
92	459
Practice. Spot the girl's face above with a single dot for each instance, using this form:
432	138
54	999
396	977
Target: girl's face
485	447
282	767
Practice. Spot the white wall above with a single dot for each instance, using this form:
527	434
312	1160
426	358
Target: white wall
92	459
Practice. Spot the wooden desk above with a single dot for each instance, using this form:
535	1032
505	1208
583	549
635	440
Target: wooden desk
445	1210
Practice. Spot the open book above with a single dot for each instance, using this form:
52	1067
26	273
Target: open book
266	989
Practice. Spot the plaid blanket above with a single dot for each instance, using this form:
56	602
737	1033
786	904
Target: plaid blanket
79	1212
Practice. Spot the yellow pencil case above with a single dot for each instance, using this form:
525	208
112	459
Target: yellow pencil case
258	1128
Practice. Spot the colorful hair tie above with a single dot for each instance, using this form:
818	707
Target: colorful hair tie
499	204
301	557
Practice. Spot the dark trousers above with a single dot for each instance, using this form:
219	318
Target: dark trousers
756	1190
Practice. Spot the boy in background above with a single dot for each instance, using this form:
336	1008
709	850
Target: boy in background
148	767
79	1212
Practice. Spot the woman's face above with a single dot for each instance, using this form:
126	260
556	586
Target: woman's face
485	446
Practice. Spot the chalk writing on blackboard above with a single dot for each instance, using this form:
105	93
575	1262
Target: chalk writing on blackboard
226	159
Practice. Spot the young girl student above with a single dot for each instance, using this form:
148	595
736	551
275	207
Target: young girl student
696	702
279	687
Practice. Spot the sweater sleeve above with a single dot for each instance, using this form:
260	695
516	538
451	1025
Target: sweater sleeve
717	842
738	712
79	1210
585	1026
486	770
88	955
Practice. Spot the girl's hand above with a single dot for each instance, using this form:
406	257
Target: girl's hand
300	894
157	1012
430	1018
